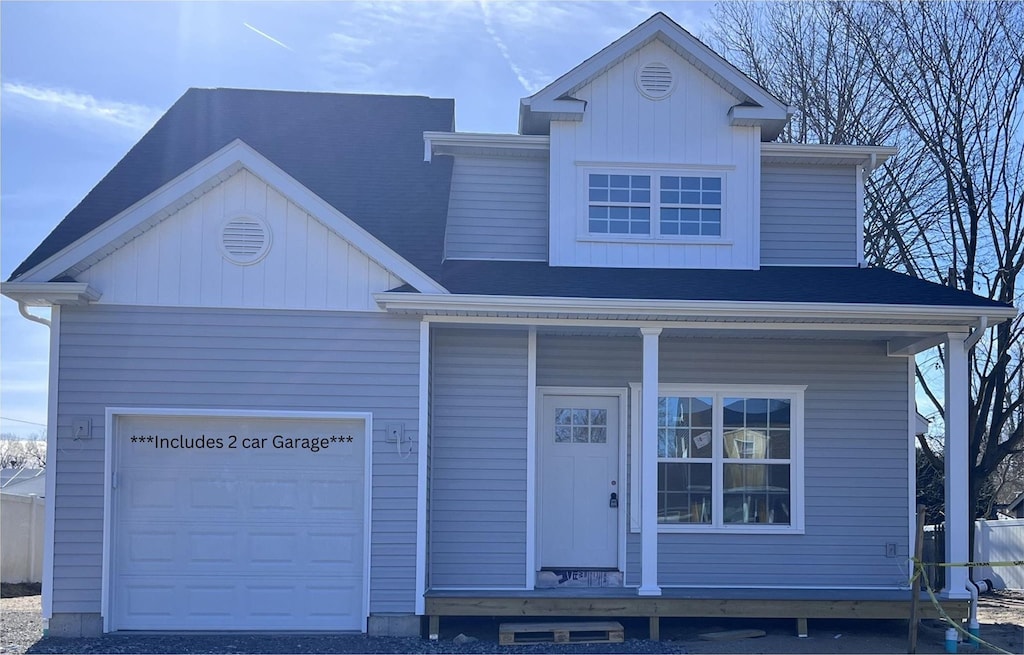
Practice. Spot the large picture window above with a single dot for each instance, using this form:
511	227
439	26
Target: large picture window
654	205
729	459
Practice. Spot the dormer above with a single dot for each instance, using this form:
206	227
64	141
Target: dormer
654	154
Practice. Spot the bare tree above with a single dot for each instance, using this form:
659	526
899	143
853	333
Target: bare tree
942	81
16	452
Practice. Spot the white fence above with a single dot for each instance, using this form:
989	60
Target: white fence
1000	541
22	519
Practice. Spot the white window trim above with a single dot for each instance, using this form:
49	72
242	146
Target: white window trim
654	171
794	393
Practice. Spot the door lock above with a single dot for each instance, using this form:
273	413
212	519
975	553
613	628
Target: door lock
613	502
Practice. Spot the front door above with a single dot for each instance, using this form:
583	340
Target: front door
578	447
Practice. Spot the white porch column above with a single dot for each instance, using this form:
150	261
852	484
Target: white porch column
649	465
958	514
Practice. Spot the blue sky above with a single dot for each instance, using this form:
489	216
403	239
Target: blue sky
80	82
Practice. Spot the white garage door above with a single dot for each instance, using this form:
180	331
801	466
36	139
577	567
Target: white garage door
238	524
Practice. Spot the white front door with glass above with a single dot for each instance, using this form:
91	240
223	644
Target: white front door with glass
578	449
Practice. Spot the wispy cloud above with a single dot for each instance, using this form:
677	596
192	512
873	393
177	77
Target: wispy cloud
41	101
528	85
267	36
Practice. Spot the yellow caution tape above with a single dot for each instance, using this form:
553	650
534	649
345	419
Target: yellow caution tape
1019	562
920	572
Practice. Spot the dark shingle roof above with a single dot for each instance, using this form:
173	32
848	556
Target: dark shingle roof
769	284
363	154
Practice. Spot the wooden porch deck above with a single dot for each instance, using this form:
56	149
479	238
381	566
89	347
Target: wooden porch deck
798	604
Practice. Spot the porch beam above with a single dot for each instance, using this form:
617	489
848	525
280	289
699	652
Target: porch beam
958	514
649	465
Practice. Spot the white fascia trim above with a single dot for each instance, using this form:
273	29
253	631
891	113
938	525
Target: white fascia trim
467	142
227	161
871	157
47	294
658	26
702	309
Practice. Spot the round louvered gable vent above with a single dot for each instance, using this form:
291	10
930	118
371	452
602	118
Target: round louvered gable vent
655	80
245	240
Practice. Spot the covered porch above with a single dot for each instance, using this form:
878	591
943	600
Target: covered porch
837	546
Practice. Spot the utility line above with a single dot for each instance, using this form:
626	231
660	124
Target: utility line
18	420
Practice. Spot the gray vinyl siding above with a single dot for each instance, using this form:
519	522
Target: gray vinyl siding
855	455
498	209
478	458
808	215
233	359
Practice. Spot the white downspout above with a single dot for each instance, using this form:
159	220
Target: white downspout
977	334
973	627
23	309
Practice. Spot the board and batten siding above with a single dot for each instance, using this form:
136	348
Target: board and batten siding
687	132
233	359
498	209
808	215
856	449
179	261
478	458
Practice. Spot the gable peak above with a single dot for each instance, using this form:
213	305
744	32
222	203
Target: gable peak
556	101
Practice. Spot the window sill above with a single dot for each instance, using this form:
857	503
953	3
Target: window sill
732	529
666	240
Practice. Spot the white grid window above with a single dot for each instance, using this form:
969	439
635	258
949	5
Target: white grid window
658	206
729	459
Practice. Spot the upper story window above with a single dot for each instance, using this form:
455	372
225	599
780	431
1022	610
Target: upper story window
620	204
654	206
691	206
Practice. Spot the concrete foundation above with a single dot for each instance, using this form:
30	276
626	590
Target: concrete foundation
394	625
74	624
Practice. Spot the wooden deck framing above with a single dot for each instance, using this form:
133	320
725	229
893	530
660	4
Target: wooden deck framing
797	604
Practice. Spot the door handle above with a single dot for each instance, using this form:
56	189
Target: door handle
613	502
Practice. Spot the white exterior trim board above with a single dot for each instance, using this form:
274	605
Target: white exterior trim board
759	310
53	453
870	157
421	468
531	458
450	143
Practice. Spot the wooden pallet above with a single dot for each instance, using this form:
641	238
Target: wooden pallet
590	632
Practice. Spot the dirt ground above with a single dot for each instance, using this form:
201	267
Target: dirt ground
1001	615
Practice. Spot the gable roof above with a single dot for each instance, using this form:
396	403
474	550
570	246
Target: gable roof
755	105
779	284
362	154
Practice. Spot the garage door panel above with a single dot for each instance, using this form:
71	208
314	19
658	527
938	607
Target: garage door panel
238	539
281	604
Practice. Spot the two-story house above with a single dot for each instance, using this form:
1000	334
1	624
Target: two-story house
320	362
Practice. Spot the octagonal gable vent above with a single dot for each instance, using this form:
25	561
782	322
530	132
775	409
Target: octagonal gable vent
245	240
655	80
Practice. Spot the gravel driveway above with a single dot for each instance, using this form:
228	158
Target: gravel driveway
1002	623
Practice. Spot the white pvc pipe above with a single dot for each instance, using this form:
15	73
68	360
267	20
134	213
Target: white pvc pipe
973	626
